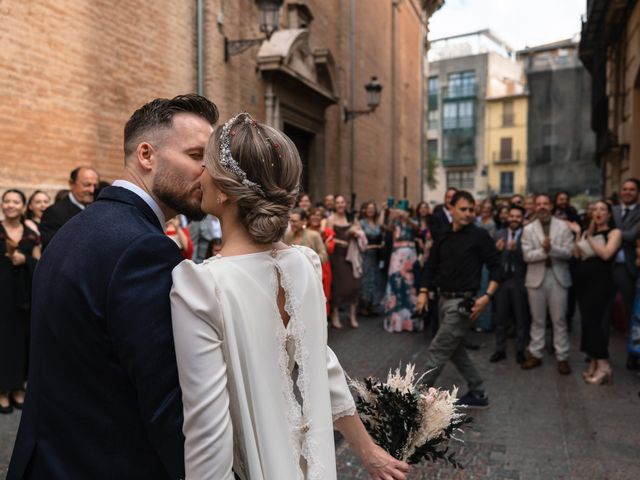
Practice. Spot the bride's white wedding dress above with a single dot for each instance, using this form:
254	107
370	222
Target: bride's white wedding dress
236	362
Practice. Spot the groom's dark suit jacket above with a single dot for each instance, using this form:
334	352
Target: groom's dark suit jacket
103	399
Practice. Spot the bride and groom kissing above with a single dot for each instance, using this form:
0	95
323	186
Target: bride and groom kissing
144	366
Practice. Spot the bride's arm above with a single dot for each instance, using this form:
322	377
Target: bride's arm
378	463
202	372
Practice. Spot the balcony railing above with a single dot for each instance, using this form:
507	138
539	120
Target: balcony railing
455	92
458	161
503	158
455	123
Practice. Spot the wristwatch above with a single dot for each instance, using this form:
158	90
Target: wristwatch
488	294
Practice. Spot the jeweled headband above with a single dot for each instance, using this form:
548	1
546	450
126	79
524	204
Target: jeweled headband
227	160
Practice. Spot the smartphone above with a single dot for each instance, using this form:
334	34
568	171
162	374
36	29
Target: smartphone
391	202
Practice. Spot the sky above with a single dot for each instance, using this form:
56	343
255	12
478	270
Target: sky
520	23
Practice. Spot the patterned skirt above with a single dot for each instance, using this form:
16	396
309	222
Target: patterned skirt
400	295
372	284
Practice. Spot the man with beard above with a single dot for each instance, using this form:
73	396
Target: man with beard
103	399
547	246
511	297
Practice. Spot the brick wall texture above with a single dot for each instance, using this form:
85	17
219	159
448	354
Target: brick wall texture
72	71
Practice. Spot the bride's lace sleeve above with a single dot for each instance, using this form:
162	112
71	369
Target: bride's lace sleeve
202	372
342	404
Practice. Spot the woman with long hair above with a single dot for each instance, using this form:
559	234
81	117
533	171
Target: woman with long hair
424	240
261	389
299	234
372	283
595	250
19	250
315	223
346	283
400	293
38	202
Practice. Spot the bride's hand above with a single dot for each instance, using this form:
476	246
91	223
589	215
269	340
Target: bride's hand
382	466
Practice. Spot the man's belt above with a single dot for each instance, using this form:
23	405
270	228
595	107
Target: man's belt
453	295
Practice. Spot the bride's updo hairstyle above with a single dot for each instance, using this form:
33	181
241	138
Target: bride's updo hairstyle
258	167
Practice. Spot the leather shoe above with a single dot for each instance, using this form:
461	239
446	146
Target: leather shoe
531	362
563	367
497	356
520	358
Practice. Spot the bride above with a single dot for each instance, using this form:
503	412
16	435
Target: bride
261	389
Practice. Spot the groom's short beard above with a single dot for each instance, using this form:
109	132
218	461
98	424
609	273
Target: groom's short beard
177	193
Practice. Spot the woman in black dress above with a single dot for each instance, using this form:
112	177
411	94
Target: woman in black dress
19	250
345	287
595	250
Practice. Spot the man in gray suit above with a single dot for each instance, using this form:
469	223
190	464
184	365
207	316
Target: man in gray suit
625	272
547	245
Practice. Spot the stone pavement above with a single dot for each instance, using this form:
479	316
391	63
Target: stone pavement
540	426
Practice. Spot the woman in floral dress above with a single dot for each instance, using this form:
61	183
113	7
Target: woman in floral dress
372	285
400	296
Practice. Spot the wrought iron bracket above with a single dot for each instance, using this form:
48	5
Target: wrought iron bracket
351	114
234	47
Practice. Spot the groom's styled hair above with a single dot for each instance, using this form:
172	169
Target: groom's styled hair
259	168
159	113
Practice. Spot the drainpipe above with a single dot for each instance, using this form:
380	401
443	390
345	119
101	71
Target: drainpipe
352	106
394	145
200	46
422	110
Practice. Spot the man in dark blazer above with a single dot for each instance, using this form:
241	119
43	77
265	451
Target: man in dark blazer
83	183
440	219
627	218
511	298
103	400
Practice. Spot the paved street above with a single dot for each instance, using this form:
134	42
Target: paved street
539	425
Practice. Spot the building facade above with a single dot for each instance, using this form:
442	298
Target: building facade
561	144
72	72
463	71
610	50
506	144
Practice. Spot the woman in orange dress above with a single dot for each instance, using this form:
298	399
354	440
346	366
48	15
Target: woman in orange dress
314	222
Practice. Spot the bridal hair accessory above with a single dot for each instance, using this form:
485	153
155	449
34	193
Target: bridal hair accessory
226	159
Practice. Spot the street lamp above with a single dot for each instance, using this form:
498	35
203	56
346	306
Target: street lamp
269	21
373	88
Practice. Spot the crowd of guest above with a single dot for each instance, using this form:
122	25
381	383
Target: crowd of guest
552	259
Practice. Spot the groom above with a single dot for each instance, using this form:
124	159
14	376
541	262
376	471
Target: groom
103	400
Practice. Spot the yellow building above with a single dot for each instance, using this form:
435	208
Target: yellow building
506	144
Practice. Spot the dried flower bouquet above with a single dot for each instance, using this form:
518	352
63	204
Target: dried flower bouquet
411	422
